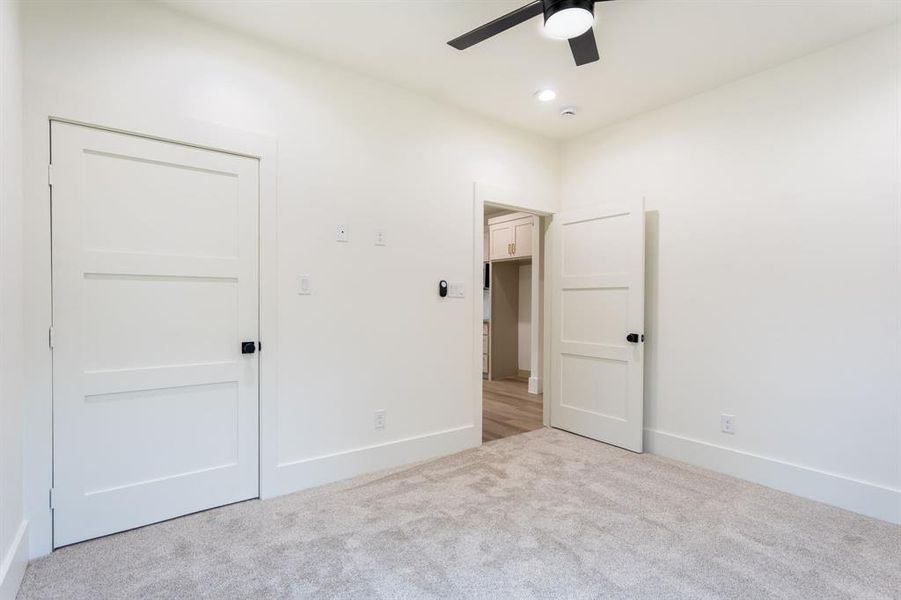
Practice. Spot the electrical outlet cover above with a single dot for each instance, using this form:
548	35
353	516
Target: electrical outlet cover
727	423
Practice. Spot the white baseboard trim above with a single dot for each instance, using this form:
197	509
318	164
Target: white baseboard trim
13	568
320	470
862	497
534	385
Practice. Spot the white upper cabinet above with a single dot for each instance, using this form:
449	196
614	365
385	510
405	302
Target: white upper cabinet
510	236
501	241
522	238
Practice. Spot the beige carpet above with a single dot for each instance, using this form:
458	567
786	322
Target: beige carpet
541	515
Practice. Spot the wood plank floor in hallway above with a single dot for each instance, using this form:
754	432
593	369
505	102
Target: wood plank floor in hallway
508	408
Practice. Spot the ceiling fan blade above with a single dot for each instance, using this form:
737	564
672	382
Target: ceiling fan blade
584	47
480	34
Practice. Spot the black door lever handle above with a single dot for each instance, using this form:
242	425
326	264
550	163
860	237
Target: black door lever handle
635	338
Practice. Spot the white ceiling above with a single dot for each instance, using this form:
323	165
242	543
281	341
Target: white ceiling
652	51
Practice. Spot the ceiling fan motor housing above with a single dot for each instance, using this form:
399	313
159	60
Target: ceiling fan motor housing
552	7
571	20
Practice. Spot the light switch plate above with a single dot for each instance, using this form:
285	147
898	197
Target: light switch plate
455	289
304	285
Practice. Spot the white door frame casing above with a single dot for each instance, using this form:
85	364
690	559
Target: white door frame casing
39	458
487	194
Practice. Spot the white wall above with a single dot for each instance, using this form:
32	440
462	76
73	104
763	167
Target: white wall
524	318
774	224
374	334
13	539
773	270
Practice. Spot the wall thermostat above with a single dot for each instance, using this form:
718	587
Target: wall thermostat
442	288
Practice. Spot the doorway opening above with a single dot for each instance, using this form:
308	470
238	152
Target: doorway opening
512	366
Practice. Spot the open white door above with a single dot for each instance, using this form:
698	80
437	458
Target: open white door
155	398
598	323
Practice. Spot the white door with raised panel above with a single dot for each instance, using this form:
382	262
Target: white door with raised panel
597	323
155	287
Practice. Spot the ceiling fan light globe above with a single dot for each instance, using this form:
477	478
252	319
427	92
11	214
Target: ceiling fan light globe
569	23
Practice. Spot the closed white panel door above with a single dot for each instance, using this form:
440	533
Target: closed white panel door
598	307
155	407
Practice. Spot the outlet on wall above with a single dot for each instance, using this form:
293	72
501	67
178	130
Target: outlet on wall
341	233
380	237
380	419
727	423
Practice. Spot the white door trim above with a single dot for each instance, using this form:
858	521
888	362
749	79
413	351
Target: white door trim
507	199
39	442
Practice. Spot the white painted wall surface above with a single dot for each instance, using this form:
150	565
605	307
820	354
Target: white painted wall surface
524	318
773	270
774	223
352	151
13	540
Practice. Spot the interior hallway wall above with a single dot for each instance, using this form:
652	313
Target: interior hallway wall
524	318
13	538
374	335
774	270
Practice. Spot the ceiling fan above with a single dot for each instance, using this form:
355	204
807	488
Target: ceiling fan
563	19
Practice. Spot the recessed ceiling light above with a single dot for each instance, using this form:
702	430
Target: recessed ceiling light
545	95
567	20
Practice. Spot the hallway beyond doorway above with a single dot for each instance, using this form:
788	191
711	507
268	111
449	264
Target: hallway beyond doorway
508	408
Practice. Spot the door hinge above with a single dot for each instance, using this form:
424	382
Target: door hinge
52	499
50	175
50	337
